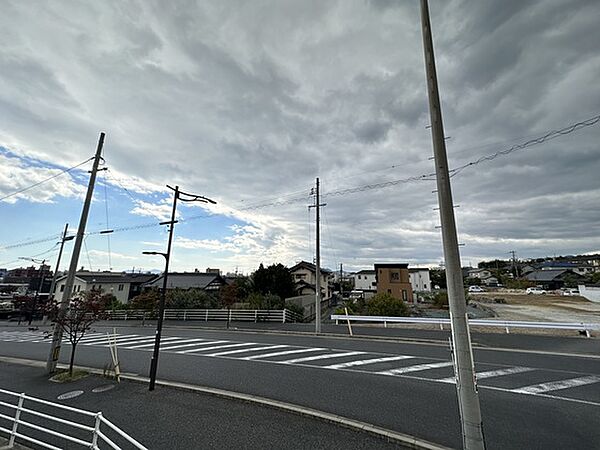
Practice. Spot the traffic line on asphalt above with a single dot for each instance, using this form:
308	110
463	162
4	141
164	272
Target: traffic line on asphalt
287	352
364	362
193	344
135	347
417	368
491	374
557	385
315	358
98	340
246	350
217	347
136	341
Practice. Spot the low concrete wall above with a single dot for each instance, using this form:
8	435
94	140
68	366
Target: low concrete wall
592	293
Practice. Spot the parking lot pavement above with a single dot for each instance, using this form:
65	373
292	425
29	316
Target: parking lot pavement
172	418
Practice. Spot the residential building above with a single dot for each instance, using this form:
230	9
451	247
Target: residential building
479	273
394	279
365	280
124	286
209	282
419	279
304	276
552	278
31	276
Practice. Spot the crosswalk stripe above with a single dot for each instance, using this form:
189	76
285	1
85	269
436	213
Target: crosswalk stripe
557	385
364	362
416	368
193	344
108	340
92	341
491	374
245	350
326	356
137	341
287	352
217	347
151	344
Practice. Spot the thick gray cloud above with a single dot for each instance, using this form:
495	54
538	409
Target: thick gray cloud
246	101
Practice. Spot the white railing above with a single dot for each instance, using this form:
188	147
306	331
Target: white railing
90	436
506	324
232	315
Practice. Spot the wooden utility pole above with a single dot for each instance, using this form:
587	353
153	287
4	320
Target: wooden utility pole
317	205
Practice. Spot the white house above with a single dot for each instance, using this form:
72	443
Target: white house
124	286
419	279
365	280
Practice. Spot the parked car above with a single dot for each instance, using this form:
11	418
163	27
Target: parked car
535	290
476	289
571	292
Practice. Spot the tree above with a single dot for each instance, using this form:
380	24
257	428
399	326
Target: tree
275	279
438	278
76	321
385	305
147	300
265	301
190	299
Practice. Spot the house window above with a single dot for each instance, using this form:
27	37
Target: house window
395	276
120	287
62	288
404	295
389	291
359	277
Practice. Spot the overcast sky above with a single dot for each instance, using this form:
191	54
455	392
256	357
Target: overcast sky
246	102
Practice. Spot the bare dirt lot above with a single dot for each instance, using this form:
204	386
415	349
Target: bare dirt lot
551	308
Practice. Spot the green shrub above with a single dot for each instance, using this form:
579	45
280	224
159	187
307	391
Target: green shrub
386	305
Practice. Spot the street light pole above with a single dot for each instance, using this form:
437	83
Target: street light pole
178	195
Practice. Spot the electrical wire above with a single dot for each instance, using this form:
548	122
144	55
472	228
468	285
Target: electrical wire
20	191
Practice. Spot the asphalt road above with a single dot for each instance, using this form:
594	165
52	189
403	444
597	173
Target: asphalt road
171	419
530	399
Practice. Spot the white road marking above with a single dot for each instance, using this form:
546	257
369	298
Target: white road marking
557	385
364	362
287	352
97	340
136	341
194	344
491	374
246	350
150	345
416	368
326	356
217	347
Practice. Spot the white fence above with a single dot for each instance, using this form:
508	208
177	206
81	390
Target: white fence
506	324
232	315
32	431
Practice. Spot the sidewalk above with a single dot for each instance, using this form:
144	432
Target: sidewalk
177	419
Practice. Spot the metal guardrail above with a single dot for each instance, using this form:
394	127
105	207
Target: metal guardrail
232	315
96	435
506	324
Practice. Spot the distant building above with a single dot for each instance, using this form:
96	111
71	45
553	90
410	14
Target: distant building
552	279
419	279
209	282
305	279
365	280
31	276
394	279
124	286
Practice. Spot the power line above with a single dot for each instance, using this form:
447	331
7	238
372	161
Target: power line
20	191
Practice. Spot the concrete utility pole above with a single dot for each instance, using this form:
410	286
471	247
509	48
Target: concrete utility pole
341	285
64	304
468	398
317	205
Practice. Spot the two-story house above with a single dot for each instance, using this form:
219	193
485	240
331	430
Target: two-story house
394	279
124	286
305	279
365	280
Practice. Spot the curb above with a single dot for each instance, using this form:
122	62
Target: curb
380	432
